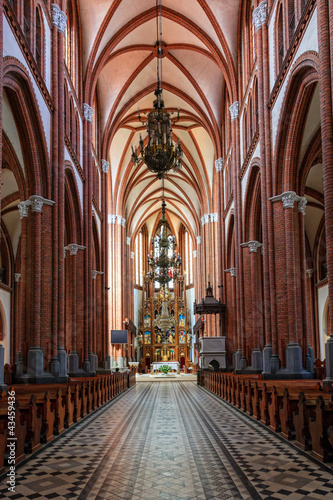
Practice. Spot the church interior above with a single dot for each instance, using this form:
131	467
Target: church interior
166	217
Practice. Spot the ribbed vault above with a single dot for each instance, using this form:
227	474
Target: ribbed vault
199	59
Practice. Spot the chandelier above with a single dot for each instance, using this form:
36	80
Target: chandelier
164	266
159	154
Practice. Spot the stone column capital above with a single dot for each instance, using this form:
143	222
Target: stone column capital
214	217
219	164
17	277
198	240
232	271
73	248
204	219
88	112
310	273
194	254
234	111
23	208
128	240
301	204
96	273
260	15
105	166
59	18
252	246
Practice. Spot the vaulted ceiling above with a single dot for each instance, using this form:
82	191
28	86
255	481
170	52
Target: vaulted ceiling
199	58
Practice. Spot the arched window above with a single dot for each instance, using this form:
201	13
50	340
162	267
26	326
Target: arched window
27	20
39	56
77	137
138	259
280	40
291	20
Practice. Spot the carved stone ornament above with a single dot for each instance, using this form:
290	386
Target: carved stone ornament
96	273
310	273
214	217
37	203
194	254
120	220
301	204
254	245
74	248
112	219
234	111
198	240
219	164
132	255
17	277
232	271
88	112
288	199
105	166
128	240
260	15
59	18
205	219
23	207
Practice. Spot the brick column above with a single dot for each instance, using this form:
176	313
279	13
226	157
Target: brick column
271	362
89	358
325	89
254	274
21	333
106	350
241	353
35	355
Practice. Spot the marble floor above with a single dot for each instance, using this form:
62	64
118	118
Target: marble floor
163	441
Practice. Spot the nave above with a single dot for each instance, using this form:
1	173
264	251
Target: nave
170	441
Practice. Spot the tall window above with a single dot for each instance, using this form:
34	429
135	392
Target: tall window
39	38
188	258
26	20
138	260
279	38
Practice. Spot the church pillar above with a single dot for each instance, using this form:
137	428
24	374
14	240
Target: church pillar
35	367
58	362
241	353
1	80
325	91
106	348
271	361
21	331
89	358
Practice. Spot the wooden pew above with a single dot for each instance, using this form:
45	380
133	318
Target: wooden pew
321	446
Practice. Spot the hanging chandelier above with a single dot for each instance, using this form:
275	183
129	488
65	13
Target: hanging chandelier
164	267
160	154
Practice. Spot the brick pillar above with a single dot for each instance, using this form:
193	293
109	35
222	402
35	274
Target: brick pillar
35	355
21	333
325	90
241	354
106	348
310	311
89	358
271	360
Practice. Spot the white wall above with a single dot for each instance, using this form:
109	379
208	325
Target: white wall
5	301
322	313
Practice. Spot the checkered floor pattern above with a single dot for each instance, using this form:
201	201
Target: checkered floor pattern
162	441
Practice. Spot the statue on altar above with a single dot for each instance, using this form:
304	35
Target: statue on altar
165	354
170	338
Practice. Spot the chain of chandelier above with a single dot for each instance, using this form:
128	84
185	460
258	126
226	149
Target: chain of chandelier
160	154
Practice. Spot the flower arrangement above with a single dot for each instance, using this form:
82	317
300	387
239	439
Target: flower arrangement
165	369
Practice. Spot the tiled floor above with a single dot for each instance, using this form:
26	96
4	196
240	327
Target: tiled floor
174	442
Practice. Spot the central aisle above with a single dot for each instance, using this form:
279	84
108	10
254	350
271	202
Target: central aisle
173	442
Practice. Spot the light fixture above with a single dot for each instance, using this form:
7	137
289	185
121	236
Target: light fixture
159	154
164	266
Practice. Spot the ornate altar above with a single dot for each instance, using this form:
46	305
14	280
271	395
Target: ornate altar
164	334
